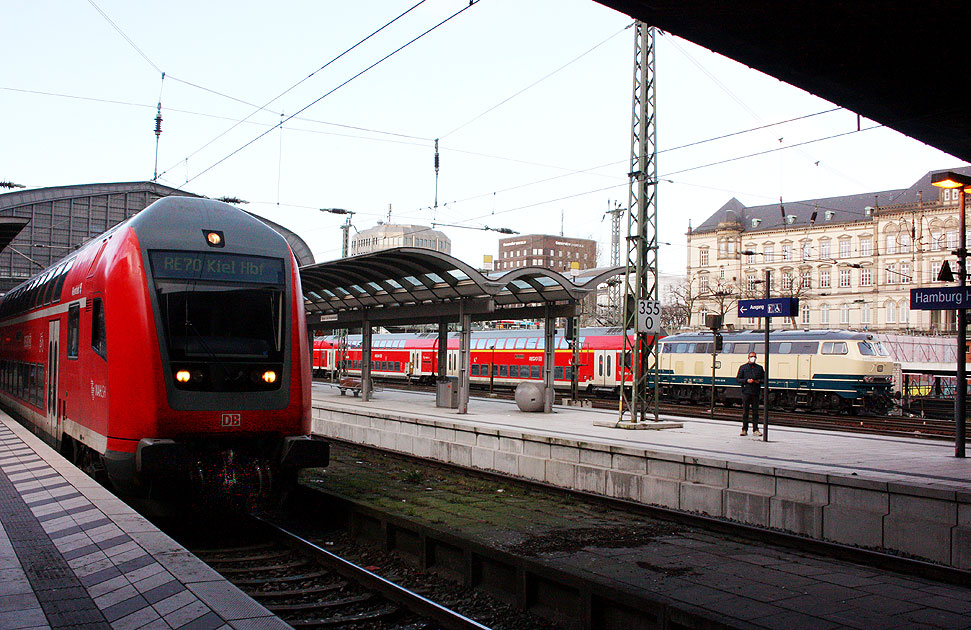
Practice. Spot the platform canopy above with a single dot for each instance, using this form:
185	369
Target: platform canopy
409	285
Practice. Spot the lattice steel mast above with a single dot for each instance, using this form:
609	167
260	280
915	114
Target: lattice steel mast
640	279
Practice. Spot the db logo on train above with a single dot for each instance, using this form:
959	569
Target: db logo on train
230	420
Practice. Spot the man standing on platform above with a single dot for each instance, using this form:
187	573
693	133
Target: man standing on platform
750	377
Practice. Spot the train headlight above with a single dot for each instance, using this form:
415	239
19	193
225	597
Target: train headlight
215	238
269	377
183	376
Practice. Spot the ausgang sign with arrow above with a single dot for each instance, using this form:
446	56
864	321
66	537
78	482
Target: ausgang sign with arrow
769	307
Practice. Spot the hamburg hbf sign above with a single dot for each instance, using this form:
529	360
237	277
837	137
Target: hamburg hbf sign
940	299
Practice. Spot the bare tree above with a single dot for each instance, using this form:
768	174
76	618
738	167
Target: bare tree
722	296
676	314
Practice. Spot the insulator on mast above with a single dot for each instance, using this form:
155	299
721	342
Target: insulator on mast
158	121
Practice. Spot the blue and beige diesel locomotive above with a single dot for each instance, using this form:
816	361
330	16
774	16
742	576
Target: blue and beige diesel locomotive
832	370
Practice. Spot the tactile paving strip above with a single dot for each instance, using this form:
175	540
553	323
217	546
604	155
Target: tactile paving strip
84	570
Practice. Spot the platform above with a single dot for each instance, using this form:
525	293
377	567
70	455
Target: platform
72	555
901	494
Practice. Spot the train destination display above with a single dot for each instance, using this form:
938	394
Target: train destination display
209	266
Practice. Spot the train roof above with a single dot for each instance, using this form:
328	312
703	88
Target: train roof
776	335
492	334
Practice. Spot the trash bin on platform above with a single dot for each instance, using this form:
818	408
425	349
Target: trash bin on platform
447	393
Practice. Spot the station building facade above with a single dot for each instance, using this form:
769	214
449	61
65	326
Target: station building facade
62	218
544	250
390	235
850	260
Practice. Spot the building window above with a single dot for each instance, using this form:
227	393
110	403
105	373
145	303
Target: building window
787	252
786	281
865	313
891	313
768	253
844	313
905	273
844	278
806	279
750	259
824	278
804	313
891	274
845	248
952	239
903	242
866	247
903	313
824	314
824	248
891	244
703	257
866	277
751	282
807	250
703	283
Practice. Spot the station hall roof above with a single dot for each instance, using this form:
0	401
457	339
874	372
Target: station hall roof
410	285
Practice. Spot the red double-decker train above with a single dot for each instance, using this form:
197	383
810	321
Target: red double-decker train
172	349
499	357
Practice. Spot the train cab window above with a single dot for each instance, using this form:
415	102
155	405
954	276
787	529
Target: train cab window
834	347
535	371
503	371
98	338
59	284
73	330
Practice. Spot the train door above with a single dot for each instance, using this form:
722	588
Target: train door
414	364
453	362
53	343
600	367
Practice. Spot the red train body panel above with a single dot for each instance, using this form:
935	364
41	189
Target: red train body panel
94	350
502	357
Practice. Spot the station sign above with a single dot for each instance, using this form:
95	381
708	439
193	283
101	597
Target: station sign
940	299
769	307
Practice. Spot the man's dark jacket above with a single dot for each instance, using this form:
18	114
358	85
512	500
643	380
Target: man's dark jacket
750	371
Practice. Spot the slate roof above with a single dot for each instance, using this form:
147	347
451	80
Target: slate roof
845	209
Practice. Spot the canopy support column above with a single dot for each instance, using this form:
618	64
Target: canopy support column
548	353
442	370
465	344
365	359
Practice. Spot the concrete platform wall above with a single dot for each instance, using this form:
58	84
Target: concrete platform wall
926	522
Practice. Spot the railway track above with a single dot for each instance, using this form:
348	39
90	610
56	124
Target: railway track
893	426
310	587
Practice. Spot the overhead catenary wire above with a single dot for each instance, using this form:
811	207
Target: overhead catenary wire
471	4
306	78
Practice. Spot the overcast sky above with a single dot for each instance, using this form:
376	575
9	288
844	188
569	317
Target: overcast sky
531	101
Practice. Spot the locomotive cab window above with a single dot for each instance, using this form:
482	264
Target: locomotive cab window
99	341
834	347
220	305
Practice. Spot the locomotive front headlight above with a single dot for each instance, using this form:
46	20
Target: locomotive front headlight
183	376
269	377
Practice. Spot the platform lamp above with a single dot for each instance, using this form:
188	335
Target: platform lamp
961	183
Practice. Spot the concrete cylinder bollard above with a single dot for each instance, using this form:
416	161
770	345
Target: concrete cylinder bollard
529	396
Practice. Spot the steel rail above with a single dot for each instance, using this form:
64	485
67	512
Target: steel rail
449	619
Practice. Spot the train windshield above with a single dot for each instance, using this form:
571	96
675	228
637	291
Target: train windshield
872	348
220	305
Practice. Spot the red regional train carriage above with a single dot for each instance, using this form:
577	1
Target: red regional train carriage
170	350
500	357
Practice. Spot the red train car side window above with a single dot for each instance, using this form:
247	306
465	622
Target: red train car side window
73	330
98	341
